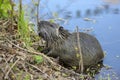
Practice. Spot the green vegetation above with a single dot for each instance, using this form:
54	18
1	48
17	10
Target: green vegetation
5	8
23	29
38	59
6	11
27	77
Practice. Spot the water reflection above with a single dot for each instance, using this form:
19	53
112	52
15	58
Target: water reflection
116	11
88	12
106	8
78	13
67	14
99	10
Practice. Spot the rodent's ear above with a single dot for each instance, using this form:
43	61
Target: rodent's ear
61	28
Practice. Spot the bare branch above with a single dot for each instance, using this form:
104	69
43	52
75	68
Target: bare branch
6	76
79	50
38	11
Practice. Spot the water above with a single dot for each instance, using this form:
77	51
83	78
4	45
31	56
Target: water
104	21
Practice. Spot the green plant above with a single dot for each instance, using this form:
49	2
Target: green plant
5	8
23	28
38	59
27	77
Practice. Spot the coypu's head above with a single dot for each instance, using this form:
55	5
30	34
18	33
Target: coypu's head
51	32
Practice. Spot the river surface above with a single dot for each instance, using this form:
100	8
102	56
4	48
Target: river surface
97	18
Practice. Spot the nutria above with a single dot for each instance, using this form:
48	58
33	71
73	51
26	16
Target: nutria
61	43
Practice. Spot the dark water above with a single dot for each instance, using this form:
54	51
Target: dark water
100	17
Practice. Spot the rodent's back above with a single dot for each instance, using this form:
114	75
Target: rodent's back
91	50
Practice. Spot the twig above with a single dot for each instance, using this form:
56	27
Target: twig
38	70
20	8
38	11
65	70
11	2
80	52
6	23
6	76
35	67
6	60
9	67
23	64
49	60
